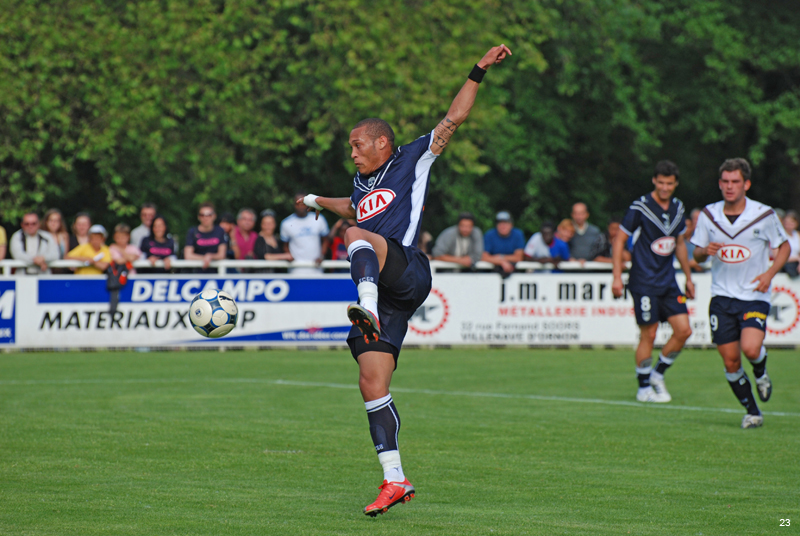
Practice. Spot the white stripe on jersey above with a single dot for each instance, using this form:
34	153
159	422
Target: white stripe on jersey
421	172
645	210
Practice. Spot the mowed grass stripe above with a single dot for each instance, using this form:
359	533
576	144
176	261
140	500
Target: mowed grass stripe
432	392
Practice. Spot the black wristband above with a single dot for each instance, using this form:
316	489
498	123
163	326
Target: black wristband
477	74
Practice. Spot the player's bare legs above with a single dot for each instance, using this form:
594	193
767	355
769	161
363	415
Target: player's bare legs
367	252
375	374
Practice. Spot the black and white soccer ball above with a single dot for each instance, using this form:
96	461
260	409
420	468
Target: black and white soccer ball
213	313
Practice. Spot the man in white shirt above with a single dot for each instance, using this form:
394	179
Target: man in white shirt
305	236
146	214
739	233
34	246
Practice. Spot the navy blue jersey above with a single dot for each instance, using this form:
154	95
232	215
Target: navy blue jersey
654	231
390	200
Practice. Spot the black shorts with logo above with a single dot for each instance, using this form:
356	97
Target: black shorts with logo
403	285
729	316
653	307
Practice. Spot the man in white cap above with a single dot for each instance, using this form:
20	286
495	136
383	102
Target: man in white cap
95	255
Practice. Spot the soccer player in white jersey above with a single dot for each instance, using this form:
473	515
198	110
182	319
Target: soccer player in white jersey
739	234
392	276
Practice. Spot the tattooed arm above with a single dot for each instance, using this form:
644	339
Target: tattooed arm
463	102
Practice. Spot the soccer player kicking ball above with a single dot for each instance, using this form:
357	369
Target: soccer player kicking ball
739	233
656	222
393	277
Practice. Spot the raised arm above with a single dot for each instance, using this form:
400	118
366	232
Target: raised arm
462	104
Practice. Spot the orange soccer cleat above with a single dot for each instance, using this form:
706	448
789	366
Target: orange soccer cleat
363	319
391	493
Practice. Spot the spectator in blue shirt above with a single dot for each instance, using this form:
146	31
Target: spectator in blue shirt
503	246
544	246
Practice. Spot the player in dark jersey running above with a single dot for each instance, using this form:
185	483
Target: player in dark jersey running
393	277
656	222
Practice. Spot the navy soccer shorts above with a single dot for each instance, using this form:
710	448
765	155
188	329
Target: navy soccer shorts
403	285
652	308
728	316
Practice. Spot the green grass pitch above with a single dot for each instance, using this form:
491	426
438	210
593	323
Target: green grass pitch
496	441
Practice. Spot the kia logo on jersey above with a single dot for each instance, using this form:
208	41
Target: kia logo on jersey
374	203
733	253
663	246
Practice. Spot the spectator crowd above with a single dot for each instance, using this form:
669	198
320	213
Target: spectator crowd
303	237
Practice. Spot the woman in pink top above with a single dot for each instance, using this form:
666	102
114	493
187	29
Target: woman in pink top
122	250
243	237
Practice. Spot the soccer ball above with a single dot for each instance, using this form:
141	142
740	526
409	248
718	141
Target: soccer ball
213	313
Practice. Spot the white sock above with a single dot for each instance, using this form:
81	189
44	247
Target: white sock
656	375
368	297
392	468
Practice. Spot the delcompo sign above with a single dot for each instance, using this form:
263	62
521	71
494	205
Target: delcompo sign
292	310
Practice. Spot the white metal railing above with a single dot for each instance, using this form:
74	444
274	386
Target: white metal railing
6	266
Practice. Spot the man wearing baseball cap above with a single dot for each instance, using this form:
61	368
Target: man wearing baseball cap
503	246
95	255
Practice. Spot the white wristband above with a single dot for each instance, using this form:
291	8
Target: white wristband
311	201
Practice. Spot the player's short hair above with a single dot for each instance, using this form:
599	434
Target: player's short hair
667	168
466	216
376	128
734	164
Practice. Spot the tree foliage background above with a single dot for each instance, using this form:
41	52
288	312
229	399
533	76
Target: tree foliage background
107	104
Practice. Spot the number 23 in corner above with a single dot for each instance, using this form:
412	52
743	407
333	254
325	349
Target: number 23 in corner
786	522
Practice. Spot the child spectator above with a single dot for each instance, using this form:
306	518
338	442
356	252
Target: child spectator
95	255
122	250
565	230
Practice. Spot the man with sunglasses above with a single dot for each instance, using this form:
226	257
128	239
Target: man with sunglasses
34	246
206	242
